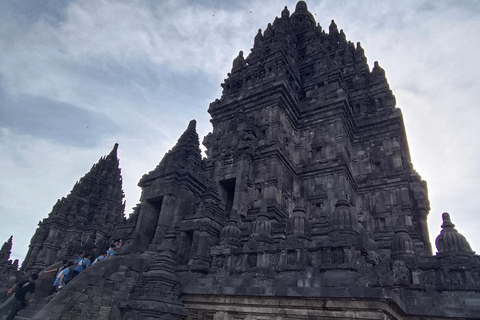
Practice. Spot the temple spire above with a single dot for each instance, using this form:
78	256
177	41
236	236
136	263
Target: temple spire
6	249
189	142
185	155
113	153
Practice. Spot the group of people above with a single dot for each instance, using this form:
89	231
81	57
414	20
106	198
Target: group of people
70	269
64	274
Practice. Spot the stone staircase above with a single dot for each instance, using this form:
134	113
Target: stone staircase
31	309
43	287
28	312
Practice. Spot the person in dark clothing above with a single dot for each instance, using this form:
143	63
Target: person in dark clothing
22	289
94	253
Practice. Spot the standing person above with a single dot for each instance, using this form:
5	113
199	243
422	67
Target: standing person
82	264
94	252
78	260
59	282
111	251
81	255
118	244
22	289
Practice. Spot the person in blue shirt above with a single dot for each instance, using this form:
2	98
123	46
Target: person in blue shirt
100	258
81	255
82	264
59	282
117	243
111	251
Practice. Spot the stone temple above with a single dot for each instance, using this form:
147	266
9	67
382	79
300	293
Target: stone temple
306	206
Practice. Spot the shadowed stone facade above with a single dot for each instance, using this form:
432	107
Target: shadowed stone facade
306	206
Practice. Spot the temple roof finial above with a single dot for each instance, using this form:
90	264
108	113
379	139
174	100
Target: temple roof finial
377	71
447	222
192	124
301	6
238	62
402	245
113	153
450	241
332	29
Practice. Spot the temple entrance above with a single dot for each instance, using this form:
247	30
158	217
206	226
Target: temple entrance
153	206
185	247
227	192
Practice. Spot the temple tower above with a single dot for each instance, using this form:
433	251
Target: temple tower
303	120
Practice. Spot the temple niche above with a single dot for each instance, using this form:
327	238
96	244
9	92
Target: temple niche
307	205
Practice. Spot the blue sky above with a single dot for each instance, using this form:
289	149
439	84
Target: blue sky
76	77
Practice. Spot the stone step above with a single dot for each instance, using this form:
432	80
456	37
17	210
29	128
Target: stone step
31	310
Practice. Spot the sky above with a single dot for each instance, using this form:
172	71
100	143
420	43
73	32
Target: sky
76	77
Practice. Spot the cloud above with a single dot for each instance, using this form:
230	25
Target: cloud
98	34
60	122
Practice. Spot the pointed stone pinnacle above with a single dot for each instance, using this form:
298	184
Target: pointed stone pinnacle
113	153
